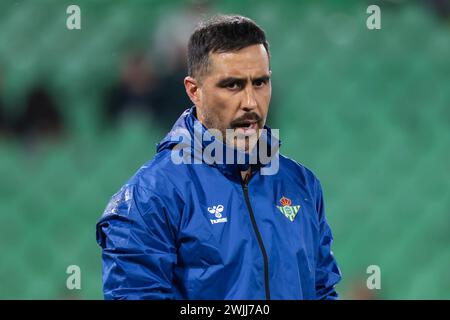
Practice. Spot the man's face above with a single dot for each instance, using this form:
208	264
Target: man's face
235	94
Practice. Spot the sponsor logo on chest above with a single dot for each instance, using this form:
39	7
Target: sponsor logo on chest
216	212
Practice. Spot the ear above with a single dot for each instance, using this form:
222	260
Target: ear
192	89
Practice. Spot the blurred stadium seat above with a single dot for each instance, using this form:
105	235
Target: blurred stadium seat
367	111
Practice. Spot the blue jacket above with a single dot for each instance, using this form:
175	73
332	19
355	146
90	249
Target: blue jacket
197	231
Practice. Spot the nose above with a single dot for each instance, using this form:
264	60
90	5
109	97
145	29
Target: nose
249	102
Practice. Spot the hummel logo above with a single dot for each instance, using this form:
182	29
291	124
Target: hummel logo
217	212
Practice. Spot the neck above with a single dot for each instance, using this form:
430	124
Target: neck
245	174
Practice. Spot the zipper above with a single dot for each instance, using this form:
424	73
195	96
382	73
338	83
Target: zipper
244	184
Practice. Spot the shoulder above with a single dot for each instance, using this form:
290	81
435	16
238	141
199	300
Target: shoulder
160	175
152	188
299	175
299	171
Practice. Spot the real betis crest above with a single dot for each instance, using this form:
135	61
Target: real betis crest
289	211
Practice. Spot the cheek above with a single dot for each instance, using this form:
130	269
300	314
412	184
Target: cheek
221	106
264	97
213	98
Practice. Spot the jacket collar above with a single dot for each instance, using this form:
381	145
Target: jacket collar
194	138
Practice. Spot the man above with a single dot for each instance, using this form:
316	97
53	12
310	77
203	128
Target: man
206	229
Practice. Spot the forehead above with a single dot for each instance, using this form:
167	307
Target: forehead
251	60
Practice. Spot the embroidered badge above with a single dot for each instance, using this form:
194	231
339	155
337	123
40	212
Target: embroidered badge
289	211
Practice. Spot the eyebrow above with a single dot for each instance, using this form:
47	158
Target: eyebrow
230	80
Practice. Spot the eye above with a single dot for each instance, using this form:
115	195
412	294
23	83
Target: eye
259	83
234	86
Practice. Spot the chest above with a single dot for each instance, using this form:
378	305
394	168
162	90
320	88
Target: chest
222	221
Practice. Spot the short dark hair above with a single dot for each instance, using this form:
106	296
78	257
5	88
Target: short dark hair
221	33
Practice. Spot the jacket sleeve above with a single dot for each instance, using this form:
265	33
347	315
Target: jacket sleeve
327	271
138	246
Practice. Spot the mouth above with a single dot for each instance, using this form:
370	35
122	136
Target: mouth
246	127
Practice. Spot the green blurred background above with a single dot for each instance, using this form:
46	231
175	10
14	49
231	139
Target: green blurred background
367	110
